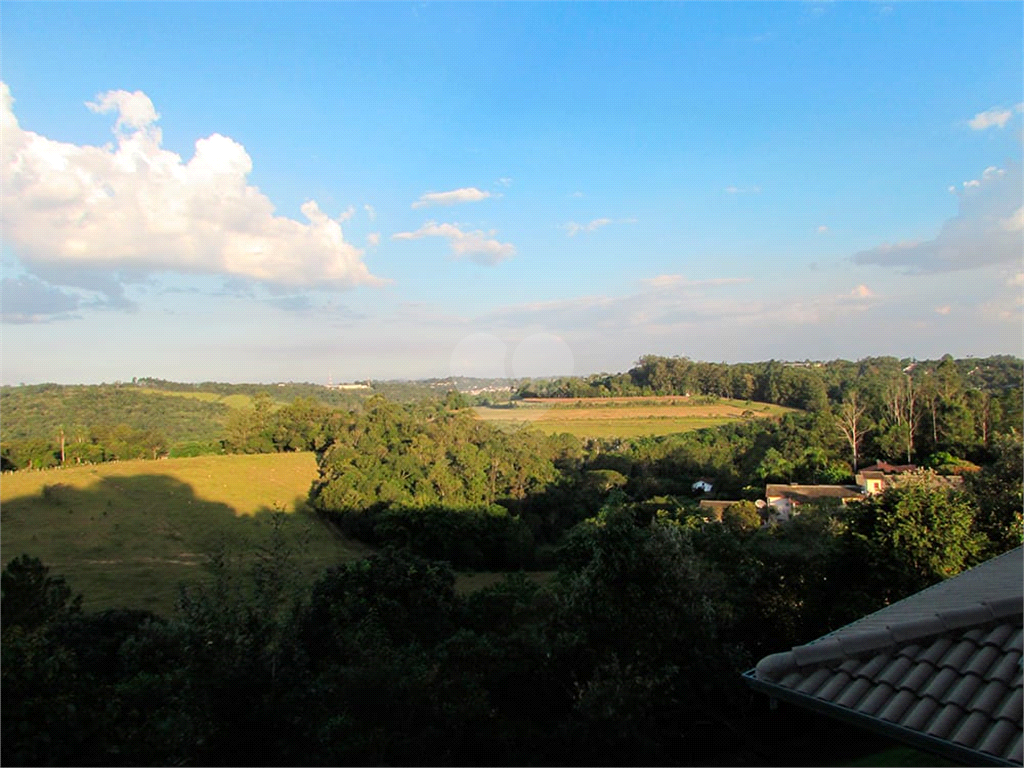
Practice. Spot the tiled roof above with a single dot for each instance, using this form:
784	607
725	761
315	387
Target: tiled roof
940	670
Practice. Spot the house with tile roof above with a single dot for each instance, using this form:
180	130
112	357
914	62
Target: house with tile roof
939	670
784	499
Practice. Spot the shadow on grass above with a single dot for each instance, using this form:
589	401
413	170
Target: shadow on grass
130	541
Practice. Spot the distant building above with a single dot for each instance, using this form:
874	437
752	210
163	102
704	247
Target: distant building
704	485
784	500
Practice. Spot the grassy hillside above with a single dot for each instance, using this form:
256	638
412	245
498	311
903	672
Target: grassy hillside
127	533
625	416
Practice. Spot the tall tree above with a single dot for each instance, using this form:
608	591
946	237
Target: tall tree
851	422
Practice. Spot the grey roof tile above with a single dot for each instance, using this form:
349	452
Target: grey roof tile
896	671
1007	669
898	706
998	635
967	616
815	680
940	684
919	676
826	649
990	697
873	666
936	650
879	696
999	737
958	655
834	687
971	730
1016	752
983	660
946	721
944	662
854	693
1013	710
921	714
964	690
856	643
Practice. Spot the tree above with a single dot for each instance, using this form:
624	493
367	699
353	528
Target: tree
850	420
741	517
911	536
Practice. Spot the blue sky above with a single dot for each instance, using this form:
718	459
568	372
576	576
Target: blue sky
297	191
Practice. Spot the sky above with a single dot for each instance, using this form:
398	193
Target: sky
259	192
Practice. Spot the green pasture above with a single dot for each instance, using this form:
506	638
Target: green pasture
128	533
628	427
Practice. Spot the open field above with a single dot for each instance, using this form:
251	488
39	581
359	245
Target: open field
624	416
127	533
235	402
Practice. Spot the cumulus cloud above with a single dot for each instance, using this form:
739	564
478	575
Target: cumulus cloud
572	228
986	230
994	117
477	246
861	292
464	195
138	207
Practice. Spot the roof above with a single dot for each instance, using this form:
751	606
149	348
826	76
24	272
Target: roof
891	469
940	670
805	493
871	474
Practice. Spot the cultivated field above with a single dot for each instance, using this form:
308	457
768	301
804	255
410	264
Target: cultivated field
624	416
127	533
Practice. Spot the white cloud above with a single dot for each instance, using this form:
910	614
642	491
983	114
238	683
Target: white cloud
137	207
984	232
732	190
678	281
373	239
943	310
992	117
464	195
477	246
370	211
505	181
573	228
347	214
822	229
862	292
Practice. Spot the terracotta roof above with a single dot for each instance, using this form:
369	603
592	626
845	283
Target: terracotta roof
940	670
890	469
804	493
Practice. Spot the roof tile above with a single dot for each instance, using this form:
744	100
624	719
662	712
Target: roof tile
921	714
896	671
984	659
873	666
911	651
827	649
834	687
879	696
917	627
945	721
898	706
1016	752
958	654
815	680
775	666
999	737
856	643
963	691
967	616
918	677
1013	710
1006	670
854	693
940	684
990	697
1015	643
1003	607
972	729
936	651
998	635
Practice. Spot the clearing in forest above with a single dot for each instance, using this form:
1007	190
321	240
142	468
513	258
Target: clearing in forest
625	417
